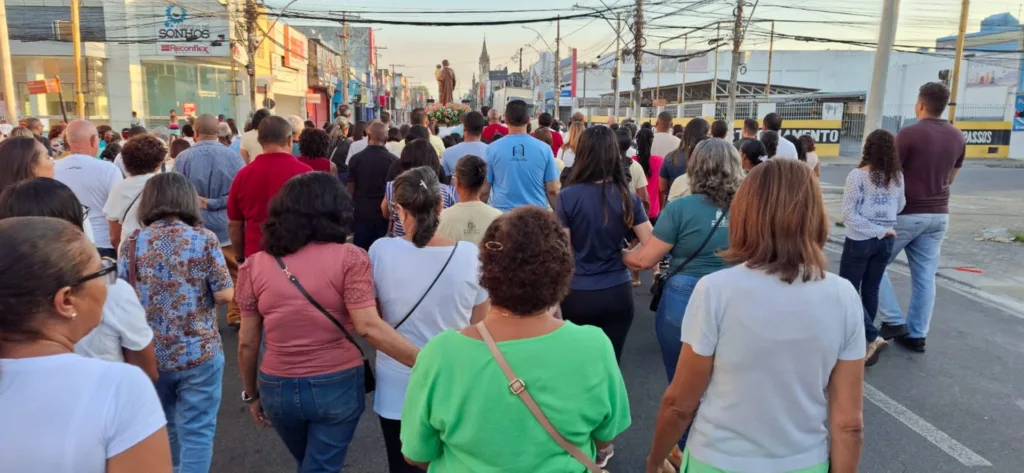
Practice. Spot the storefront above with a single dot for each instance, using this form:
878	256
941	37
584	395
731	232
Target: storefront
286	84
48	106
323	67
172	85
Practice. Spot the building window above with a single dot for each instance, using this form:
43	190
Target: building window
170	85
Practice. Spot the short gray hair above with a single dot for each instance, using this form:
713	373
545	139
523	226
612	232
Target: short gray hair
163	133
714	170
169	195
297	124
223	131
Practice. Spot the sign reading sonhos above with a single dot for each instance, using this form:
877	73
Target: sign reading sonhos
183	34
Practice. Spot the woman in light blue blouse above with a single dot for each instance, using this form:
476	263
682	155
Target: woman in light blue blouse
872	199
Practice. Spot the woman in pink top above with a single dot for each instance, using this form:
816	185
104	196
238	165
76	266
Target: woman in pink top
310	385
652	166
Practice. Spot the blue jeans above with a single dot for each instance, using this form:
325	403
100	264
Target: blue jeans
315	416
191	399
863	264
668	325
921	236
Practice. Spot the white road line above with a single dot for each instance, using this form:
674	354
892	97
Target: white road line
928	431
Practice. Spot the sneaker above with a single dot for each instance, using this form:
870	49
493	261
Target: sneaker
604	455
875	348
889	331
911	343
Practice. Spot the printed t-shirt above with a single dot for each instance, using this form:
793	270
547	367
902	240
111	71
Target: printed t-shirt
518	169
598	231
684	223
467	221
463	418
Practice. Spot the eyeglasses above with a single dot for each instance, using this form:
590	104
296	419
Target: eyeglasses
108	271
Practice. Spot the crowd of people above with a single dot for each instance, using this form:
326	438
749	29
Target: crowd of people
493	270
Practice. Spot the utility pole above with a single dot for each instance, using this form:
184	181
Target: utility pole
250	50
618	60
686	63
734	72
958	58
344	59
771	49
714	83
520	61
557	92
638	52
886	38
5	62
76	44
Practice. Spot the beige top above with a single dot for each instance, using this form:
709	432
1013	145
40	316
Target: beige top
251	144
467	221
680	188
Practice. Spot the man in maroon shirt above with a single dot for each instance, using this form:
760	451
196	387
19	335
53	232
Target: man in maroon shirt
257	183
545	120
493	126
931	151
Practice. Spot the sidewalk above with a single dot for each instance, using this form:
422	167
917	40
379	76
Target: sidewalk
989	163
1001	280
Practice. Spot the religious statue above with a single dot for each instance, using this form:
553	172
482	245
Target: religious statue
445	82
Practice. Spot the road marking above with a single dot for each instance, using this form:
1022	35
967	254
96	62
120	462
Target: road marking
1020	403
928	431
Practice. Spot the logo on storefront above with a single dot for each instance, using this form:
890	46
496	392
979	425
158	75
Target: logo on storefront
175	16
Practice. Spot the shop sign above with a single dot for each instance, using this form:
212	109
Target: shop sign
188	109
184	32
313	98
294	49
47	86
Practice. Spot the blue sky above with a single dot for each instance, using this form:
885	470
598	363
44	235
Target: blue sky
418	49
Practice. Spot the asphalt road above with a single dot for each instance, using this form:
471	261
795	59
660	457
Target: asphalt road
958	408
972	179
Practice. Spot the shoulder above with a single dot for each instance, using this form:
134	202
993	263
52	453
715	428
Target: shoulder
381	247
205	236
438	347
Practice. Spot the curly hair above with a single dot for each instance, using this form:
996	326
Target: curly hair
715	171
143	154
526	263
310	208
881	154
313	143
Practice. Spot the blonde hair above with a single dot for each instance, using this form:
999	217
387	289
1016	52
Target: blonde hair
297	124
777	222
576	130
715	171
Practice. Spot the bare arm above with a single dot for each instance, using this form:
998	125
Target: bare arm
645	199
224	296
422	466
817	169
249	338
115	233
382	336
952	175
351	188
552	188
648	255
644	232
334	168
485	192
245	155
145	359
384	209
479	312
236	231
152	455
845	414
663	187
679	405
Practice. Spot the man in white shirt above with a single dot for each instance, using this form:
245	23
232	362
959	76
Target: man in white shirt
773	122
664	141
89	178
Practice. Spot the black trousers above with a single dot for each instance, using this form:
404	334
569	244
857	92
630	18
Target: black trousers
392	429
368	231
610	309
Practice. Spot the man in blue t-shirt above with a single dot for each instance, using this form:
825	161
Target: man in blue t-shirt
521	169
473	124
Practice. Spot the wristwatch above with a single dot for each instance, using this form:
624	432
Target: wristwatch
246	398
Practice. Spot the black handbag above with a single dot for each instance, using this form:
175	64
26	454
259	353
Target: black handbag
369	380
659	281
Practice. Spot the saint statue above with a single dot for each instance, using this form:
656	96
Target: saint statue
445	82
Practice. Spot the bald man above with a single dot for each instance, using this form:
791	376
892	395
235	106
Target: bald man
210	167
367	176
89	178
493	126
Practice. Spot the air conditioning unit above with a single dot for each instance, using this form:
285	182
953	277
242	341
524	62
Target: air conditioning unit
61	30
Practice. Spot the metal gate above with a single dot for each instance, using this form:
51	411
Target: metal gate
851	134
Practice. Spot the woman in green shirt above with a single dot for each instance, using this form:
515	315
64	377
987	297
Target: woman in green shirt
715	173
463	418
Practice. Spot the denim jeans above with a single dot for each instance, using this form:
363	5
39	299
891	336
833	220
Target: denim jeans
863	264
668	325
191	399
921	237
315	416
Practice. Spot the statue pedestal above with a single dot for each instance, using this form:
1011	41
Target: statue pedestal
443	131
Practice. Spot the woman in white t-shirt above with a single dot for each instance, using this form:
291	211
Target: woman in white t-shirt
251	147
567	153
425	283
124	334
142	156
773	348
64	413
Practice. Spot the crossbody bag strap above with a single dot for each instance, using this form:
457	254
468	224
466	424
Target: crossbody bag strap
291	277
518	387
132	259
701	248
424	296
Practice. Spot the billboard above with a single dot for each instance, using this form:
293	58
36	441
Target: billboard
184	32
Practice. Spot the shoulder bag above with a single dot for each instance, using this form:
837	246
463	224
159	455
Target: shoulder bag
369	380
132	271
424	296
659	282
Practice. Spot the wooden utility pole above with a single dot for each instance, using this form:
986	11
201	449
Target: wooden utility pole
714	82
638	53
557	92
76	46
771	49
5	62
734	72
250	50
618	60
344	59
958	58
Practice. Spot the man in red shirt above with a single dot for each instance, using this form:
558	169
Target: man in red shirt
493	126
257	183
545	120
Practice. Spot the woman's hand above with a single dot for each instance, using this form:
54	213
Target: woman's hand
258	416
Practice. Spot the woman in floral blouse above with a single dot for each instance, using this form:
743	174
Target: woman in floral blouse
178	271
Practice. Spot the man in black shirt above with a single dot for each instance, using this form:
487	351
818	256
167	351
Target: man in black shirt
367	179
